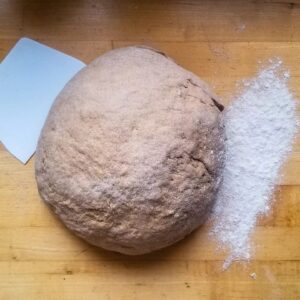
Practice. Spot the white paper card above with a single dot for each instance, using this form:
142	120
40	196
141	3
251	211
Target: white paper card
31	76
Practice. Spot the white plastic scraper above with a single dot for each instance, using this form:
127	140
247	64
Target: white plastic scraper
31	76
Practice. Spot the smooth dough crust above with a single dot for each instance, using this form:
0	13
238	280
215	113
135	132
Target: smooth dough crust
130	154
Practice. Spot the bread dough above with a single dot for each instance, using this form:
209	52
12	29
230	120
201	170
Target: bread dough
130	154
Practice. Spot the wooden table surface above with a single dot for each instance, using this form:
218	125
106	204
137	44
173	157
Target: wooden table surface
221	41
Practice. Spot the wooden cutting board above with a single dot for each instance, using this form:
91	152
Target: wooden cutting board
221	41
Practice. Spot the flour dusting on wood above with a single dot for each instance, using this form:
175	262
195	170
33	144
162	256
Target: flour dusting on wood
260	128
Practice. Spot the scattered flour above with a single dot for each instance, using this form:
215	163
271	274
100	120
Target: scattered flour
241	27
260	128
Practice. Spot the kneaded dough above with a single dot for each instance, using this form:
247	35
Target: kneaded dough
130	154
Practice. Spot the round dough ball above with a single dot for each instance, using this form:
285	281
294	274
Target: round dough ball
130	154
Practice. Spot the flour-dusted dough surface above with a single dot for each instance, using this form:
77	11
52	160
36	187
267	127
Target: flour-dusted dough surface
130	153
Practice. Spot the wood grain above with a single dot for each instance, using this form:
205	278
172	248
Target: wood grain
222	41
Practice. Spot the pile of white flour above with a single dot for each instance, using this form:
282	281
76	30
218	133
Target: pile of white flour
261	124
